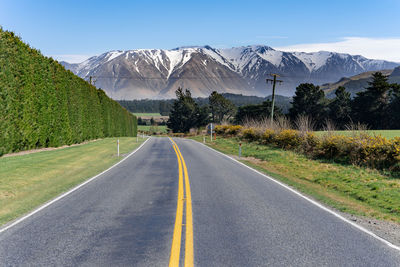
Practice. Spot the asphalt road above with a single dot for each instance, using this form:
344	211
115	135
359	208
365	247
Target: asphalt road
126	218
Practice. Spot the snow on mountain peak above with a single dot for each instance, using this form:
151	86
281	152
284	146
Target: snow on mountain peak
114	54
238	59
313	60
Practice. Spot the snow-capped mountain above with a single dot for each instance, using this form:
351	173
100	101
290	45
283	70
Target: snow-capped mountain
157	73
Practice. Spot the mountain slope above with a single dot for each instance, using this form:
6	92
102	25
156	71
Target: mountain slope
358	83
157	73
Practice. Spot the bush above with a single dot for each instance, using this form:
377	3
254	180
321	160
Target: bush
220	129
233	129
288	139
310	143
249	134
337	147
268	137
362	149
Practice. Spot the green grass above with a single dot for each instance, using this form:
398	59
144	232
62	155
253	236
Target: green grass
349	189
148	128
27	181
389	134
147	114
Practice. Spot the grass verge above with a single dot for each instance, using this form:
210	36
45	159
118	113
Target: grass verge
147	114
27	181
350	189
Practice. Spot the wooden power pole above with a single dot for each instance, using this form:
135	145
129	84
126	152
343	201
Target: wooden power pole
273	81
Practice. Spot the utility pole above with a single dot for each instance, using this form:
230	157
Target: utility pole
273	81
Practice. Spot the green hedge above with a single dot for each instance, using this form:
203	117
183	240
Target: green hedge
44	105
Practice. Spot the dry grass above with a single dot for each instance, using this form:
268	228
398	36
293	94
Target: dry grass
280	123
304	124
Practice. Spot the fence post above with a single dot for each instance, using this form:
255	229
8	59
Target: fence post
211	132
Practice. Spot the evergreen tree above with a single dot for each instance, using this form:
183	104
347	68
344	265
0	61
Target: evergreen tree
394	107
371	106
309	100
185	113
220	107
340	107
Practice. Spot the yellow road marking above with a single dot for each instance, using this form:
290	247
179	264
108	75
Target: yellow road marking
189	216
176	240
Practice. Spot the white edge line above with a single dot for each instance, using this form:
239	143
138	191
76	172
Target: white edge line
309	200
70	191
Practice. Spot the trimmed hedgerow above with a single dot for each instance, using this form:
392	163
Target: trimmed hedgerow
43	105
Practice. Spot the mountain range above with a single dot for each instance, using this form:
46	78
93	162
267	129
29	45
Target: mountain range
157	73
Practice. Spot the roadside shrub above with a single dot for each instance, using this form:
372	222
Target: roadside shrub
249	134
233	129
310	143
361	149
220	129
268	136
376	152
337	147
288	139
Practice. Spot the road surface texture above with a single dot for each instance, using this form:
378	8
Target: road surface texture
126	218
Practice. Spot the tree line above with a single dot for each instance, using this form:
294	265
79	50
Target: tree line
43	105
377	107
163	106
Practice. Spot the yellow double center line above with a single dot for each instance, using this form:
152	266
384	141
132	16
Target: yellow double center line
182	200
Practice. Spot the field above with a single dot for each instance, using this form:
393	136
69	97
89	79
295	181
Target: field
27	181
389	134
147	115
150	129
350	189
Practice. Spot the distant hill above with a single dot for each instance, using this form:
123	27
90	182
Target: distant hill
163	106
44	105
358	83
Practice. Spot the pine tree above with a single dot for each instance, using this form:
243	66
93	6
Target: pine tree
185	113
220	107
371	106
340	108
309	100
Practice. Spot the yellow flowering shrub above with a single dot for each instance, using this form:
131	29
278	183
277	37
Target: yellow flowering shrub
250	134
288	139
220	129
372	151
233	129
268	136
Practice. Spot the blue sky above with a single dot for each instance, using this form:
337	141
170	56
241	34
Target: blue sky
77	29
